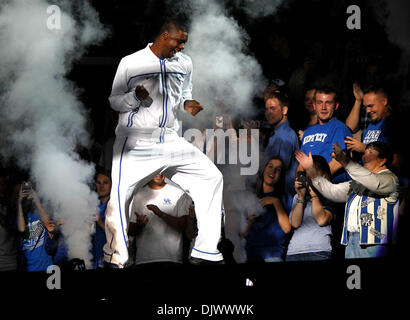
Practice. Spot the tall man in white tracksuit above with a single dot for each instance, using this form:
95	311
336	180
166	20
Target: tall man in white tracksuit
149	87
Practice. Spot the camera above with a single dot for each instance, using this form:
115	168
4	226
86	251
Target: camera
302	178
26	186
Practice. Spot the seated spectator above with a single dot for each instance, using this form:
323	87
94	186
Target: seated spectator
371	210
266	233
159	217
103	184
311	216
35	224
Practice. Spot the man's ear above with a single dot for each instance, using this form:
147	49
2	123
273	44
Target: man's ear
383	162
385	101
337	105
165	35
285	110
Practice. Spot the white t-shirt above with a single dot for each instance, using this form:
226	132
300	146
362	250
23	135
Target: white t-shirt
159	242
353	224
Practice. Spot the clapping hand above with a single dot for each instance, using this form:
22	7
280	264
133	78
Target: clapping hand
357	91
305	161
339	155
192	107
354	144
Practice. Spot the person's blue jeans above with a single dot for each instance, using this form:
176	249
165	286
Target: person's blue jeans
355	251
310	256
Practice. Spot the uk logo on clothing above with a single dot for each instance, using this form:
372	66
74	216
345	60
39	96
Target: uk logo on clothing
167	201
366	219
377	234
381	213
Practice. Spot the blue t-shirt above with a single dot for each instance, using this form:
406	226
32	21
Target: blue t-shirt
385	131
283	143
319	140
57	248
33	247
266	238
99	239
310	237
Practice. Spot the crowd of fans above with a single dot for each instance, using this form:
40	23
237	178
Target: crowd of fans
330	185
321	189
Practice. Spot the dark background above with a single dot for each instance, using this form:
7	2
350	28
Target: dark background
300	29
313	30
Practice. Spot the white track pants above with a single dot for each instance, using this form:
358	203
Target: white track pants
135	163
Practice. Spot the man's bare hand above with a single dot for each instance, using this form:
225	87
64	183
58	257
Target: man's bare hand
300	190
192	107
305	161
142	220
251	216
141	93
300	134
354	144
267	201
339	155
358	93
153	208
50	225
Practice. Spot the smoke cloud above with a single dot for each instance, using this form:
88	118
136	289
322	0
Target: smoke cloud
42	119
223	70
258	8
226	74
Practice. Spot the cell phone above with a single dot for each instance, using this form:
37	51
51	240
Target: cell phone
302	178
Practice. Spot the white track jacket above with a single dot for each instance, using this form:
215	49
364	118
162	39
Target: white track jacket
169	83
